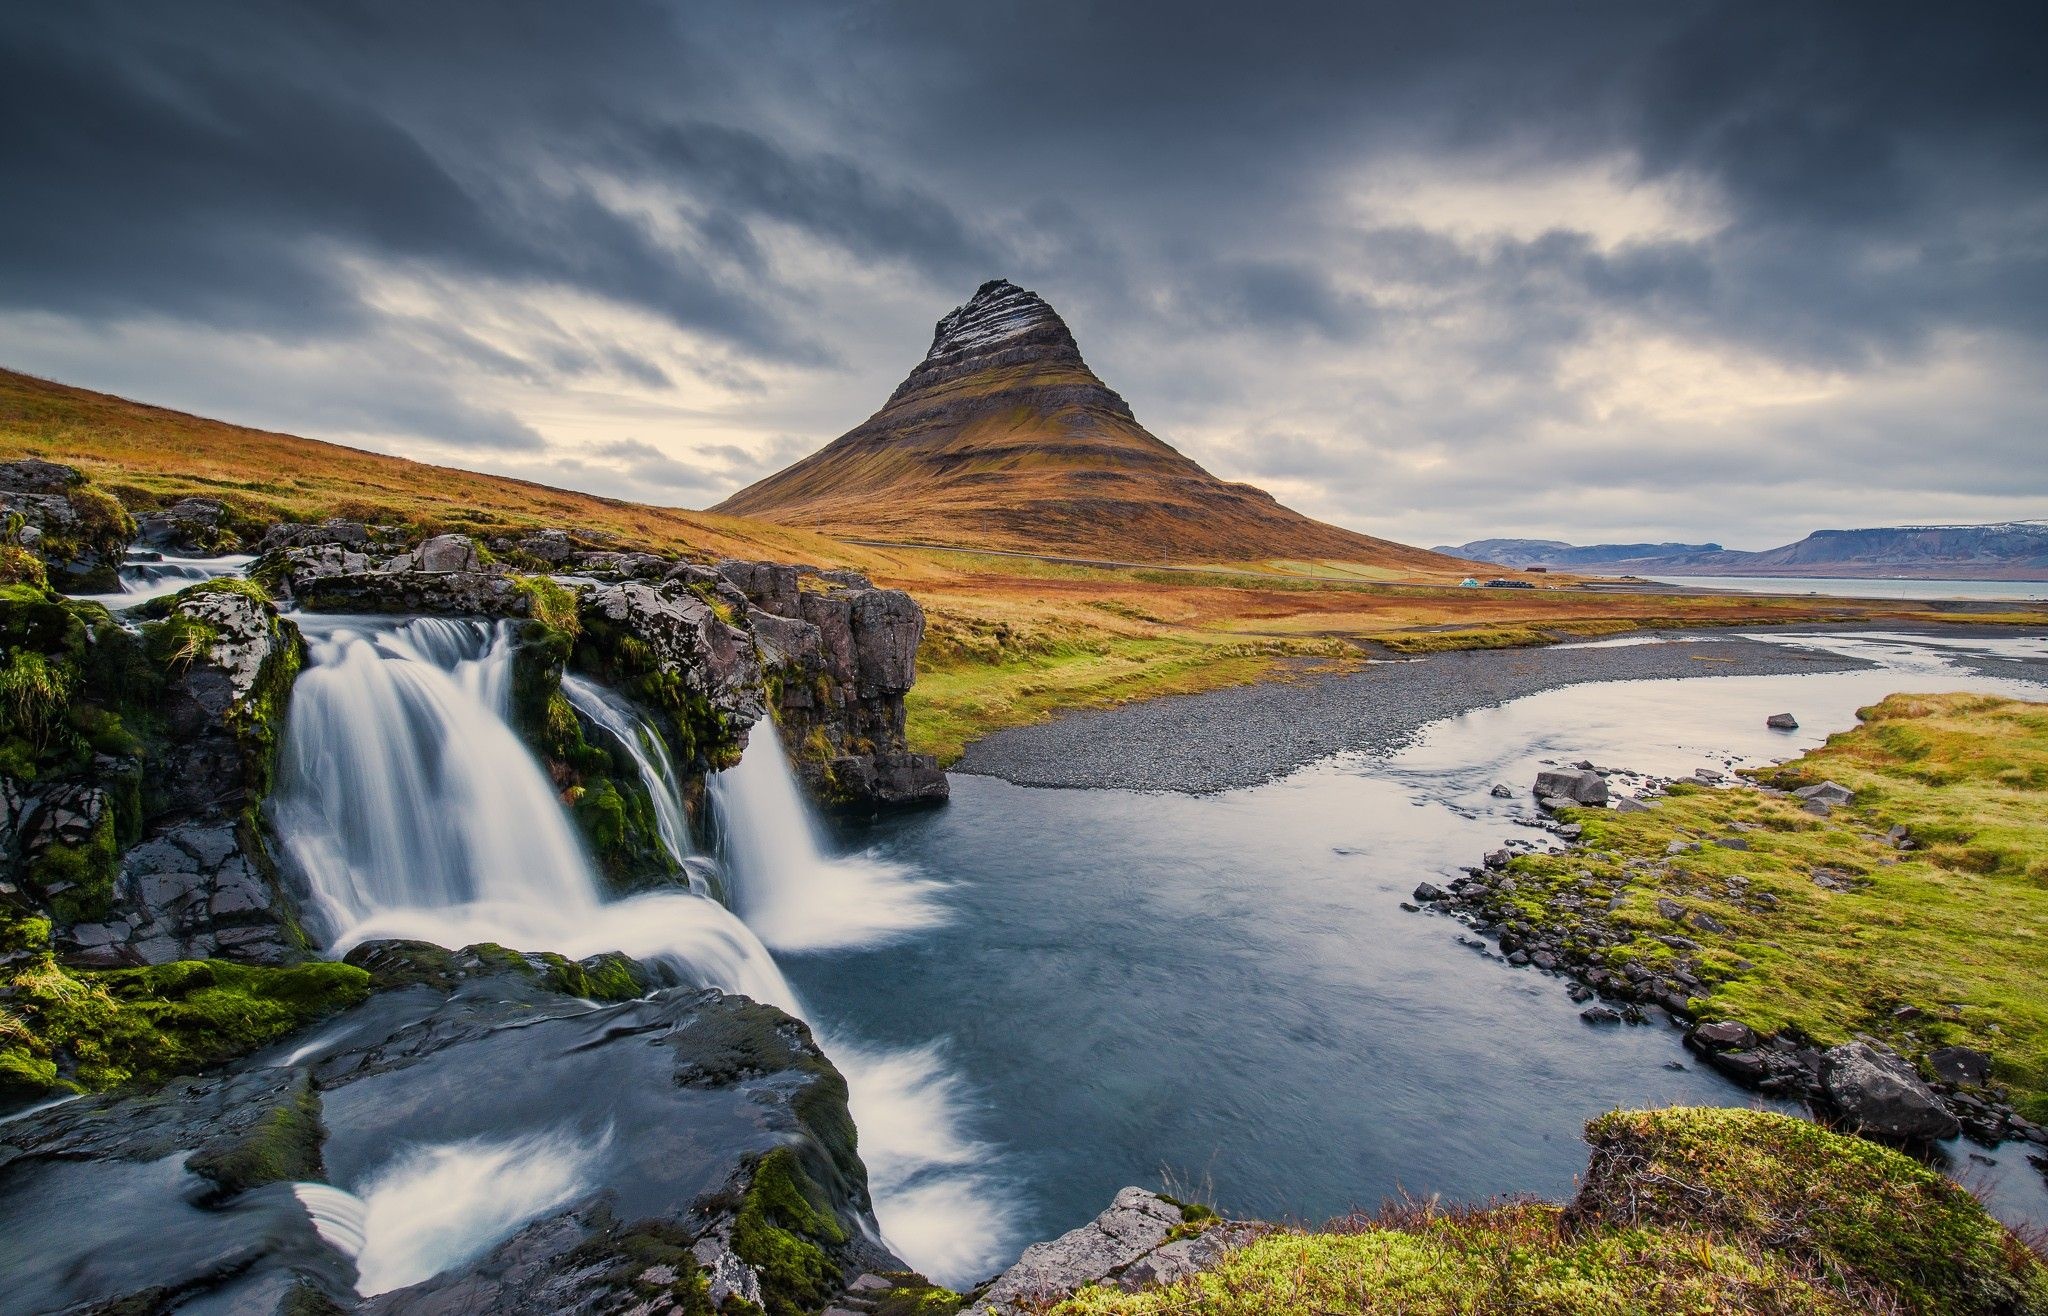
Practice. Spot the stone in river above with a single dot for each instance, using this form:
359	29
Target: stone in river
1878	1093
1582	786
1782	722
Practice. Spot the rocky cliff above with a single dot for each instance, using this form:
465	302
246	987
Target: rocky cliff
137	757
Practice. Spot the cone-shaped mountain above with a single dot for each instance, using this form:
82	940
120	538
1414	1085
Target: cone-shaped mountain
1003	438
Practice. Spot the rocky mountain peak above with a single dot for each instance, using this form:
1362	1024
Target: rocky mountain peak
1000	318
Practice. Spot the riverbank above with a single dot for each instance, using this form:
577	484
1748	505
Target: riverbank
1236	737
1897	901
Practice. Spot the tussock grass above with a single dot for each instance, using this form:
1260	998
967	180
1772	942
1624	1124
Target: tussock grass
1683	1212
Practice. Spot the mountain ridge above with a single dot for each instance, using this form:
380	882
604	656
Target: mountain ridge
1003	437
1997	550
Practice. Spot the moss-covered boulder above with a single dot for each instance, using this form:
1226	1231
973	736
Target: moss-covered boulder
78	532
1858	1216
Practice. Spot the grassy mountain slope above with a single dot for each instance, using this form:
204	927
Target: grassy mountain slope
1003	438
148	455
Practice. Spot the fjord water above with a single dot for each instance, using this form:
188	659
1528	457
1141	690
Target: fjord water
1224	991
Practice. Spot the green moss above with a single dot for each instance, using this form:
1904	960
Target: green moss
549	602
914	1295
1684	1213
178	641
1956	927
106	1028
77	879
1859	1216
782	1228
282	1147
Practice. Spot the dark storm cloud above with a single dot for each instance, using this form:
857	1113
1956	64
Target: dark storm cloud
795	191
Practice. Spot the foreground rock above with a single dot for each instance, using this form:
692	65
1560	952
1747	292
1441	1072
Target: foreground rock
698	1144
1143	1239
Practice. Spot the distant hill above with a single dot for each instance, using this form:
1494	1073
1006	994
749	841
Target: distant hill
2007	550
1557	553
1003	438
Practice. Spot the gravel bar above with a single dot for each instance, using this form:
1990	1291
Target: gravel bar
1241	736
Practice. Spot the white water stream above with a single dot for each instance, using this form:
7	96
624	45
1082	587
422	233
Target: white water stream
151	576
414	811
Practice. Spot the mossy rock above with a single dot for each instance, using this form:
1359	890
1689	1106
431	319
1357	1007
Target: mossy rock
1862	1216
783	1228
92	1030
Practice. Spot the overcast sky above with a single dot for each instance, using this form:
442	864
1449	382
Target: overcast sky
1434	271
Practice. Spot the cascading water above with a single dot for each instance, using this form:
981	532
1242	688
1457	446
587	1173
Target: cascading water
415	812
783	884
146	576
644	745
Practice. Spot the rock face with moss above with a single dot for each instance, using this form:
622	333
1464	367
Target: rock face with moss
706	651
200	883
841	655
720	1166
79	532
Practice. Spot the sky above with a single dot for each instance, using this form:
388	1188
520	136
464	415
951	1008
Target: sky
1589	271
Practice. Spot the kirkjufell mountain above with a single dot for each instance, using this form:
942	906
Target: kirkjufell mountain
1003	438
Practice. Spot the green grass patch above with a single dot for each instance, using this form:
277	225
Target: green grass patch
1955	928
1683	1213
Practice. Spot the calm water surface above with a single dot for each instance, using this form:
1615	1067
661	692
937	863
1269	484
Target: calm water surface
1224	991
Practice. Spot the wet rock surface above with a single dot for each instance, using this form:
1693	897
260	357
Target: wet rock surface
667	1105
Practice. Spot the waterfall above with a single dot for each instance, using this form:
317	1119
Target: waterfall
782	883
649	752
414	811
146	576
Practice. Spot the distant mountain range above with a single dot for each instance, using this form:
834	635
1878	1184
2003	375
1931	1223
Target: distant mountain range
1003	438
2008	550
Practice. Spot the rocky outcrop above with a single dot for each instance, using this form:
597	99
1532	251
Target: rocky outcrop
842	655
1143	1239
706	650
195	526
78	532
708	1116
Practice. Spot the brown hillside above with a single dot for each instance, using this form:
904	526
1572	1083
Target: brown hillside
149	455
1002	437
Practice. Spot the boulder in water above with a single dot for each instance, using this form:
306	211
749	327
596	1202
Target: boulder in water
1578	785
1782	722
1877	1093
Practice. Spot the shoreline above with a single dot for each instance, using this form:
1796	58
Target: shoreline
1241	736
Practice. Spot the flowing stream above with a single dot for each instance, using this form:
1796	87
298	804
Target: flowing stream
146	576
415	811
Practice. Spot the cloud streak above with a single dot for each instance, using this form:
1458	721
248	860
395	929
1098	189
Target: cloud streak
1700	270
